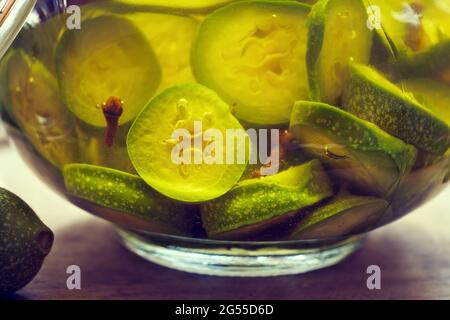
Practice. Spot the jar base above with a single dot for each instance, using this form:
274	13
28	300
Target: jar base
236	261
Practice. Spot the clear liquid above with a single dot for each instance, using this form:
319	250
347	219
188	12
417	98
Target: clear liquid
51	135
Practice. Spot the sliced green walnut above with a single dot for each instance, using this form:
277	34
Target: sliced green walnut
344	215
252	53
354	150
171	37
96	64
338	34
175	4
288	152
435	19
417	31
372	97
432	62
39	40
4	74
409	26
432	94
134	203
255	205
187	145
30	94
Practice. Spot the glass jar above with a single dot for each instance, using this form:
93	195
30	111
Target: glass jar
235	138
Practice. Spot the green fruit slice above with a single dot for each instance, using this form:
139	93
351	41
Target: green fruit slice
253	54
354	150
344	215
138	205
94	64
435	19
255	205
24	243
372	97
434	61
151	143
432	94
39	40
171	37
330	49
176	4
4	81
411	26
389	15
30	94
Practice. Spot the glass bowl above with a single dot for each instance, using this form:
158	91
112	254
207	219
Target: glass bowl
235	138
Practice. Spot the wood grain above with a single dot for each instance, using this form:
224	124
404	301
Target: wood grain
414	256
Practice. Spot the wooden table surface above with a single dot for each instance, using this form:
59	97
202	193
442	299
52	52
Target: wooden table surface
414	261
413	254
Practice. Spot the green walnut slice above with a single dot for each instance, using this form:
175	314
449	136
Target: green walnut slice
135	204
171	37
409	25
338	34
39	40
110	57
255	205
252	53
169	144
30	94
372	97
431	62
344	215
354	150
175	4
432	94
387	18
